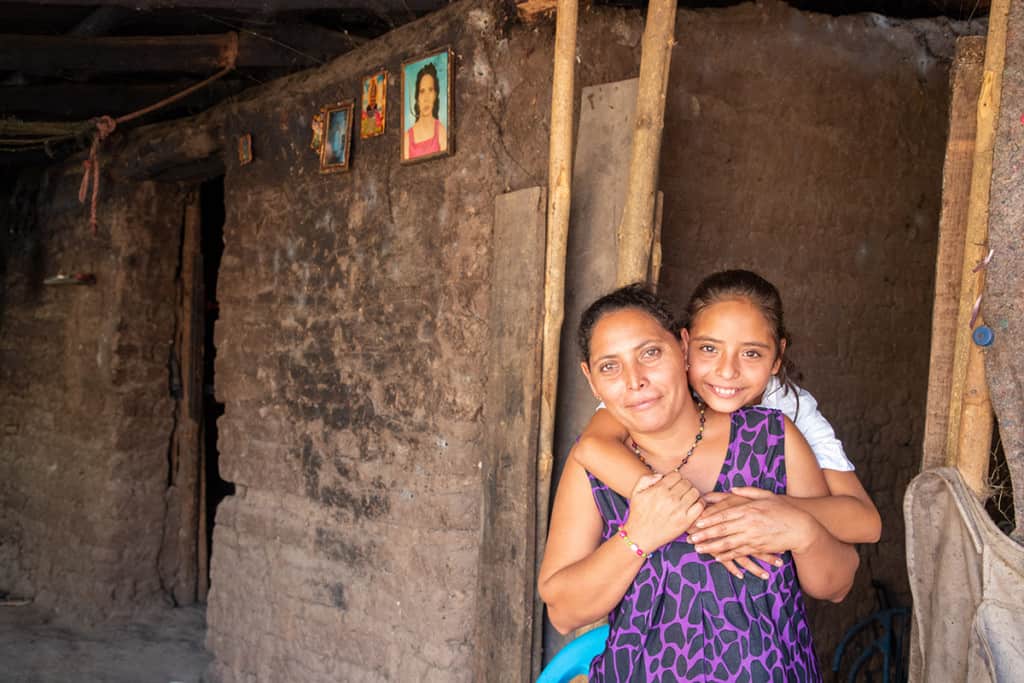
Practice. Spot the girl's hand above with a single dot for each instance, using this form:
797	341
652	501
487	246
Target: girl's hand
764	524
716	503
661	508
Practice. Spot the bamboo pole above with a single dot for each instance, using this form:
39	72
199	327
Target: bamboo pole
636	229
970	420
559	196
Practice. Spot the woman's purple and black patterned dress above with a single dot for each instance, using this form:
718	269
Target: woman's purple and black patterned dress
686	618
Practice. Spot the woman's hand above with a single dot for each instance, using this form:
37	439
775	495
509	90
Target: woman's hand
661	509
750	522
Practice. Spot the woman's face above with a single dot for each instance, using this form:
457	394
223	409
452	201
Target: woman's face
637	368
426	95
732	355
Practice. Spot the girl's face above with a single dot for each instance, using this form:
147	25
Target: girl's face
426	96
732	354
637	368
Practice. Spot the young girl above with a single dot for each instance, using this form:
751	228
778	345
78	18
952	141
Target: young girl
735	345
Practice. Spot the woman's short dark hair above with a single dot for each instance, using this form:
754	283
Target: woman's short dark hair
427	70
638	296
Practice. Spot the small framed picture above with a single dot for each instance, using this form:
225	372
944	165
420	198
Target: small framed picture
373	109
337	138
428	116
244	149
316	124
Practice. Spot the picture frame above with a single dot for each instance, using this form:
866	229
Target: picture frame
373	114
244	149
428	135
316	125
336	146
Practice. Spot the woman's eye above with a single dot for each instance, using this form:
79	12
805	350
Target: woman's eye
651	353
606	367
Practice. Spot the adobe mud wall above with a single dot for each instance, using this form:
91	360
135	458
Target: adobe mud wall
86	414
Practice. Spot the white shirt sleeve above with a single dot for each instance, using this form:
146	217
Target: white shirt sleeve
811	423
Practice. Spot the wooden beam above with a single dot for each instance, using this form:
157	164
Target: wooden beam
48	55
970	414
563	89
255	6
965	80
532	10
636	231
295	47
80	101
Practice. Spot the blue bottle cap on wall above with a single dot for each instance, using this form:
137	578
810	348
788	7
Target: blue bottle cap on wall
983	335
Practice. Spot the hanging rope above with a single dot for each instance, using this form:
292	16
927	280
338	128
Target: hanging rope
105	125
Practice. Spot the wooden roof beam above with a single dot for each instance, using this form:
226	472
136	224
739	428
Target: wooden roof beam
257	6
200	54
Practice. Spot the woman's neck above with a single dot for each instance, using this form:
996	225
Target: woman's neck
664	450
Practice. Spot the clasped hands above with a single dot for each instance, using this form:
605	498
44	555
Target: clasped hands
736	528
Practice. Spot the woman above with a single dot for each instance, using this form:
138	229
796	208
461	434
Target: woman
427	135
676	614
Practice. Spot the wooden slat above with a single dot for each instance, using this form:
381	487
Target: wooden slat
512	407
965	80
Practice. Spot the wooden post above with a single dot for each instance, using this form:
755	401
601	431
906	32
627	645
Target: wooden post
559	195
965	84
970	430
636	229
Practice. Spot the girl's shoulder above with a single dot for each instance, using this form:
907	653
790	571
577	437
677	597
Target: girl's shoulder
754	417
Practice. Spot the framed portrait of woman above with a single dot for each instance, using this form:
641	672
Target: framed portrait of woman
428	116
336	142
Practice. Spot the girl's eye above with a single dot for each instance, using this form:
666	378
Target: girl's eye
707	348
752	354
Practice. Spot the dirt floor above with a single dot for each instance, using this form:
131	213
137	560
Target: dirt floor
162	647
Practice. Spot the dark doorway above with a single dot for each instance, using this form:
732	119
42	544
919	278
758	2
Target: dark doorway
213	489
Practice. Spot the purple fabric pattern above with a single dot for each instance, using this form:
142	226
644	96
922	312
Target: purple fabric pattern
685	618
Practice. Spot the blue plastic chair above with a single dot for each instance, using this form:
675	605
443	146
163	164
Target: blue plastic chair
574	659
894	623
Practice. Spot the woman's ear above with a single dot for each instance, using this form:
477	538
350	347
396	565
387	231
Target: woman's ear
585	367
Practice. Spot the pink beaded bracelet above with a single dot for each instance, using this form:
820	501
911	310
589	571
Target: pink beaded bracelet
632	546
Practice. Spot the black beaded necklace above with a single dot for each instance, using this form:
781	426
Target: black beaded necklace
701	406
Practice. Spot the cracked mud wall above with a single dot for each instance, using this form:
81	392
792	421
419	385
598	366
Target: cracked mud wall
85	413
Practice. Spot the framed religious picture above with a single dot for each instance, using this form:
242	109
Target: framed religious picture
316	124
336	145
428	117
373	108
244	149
